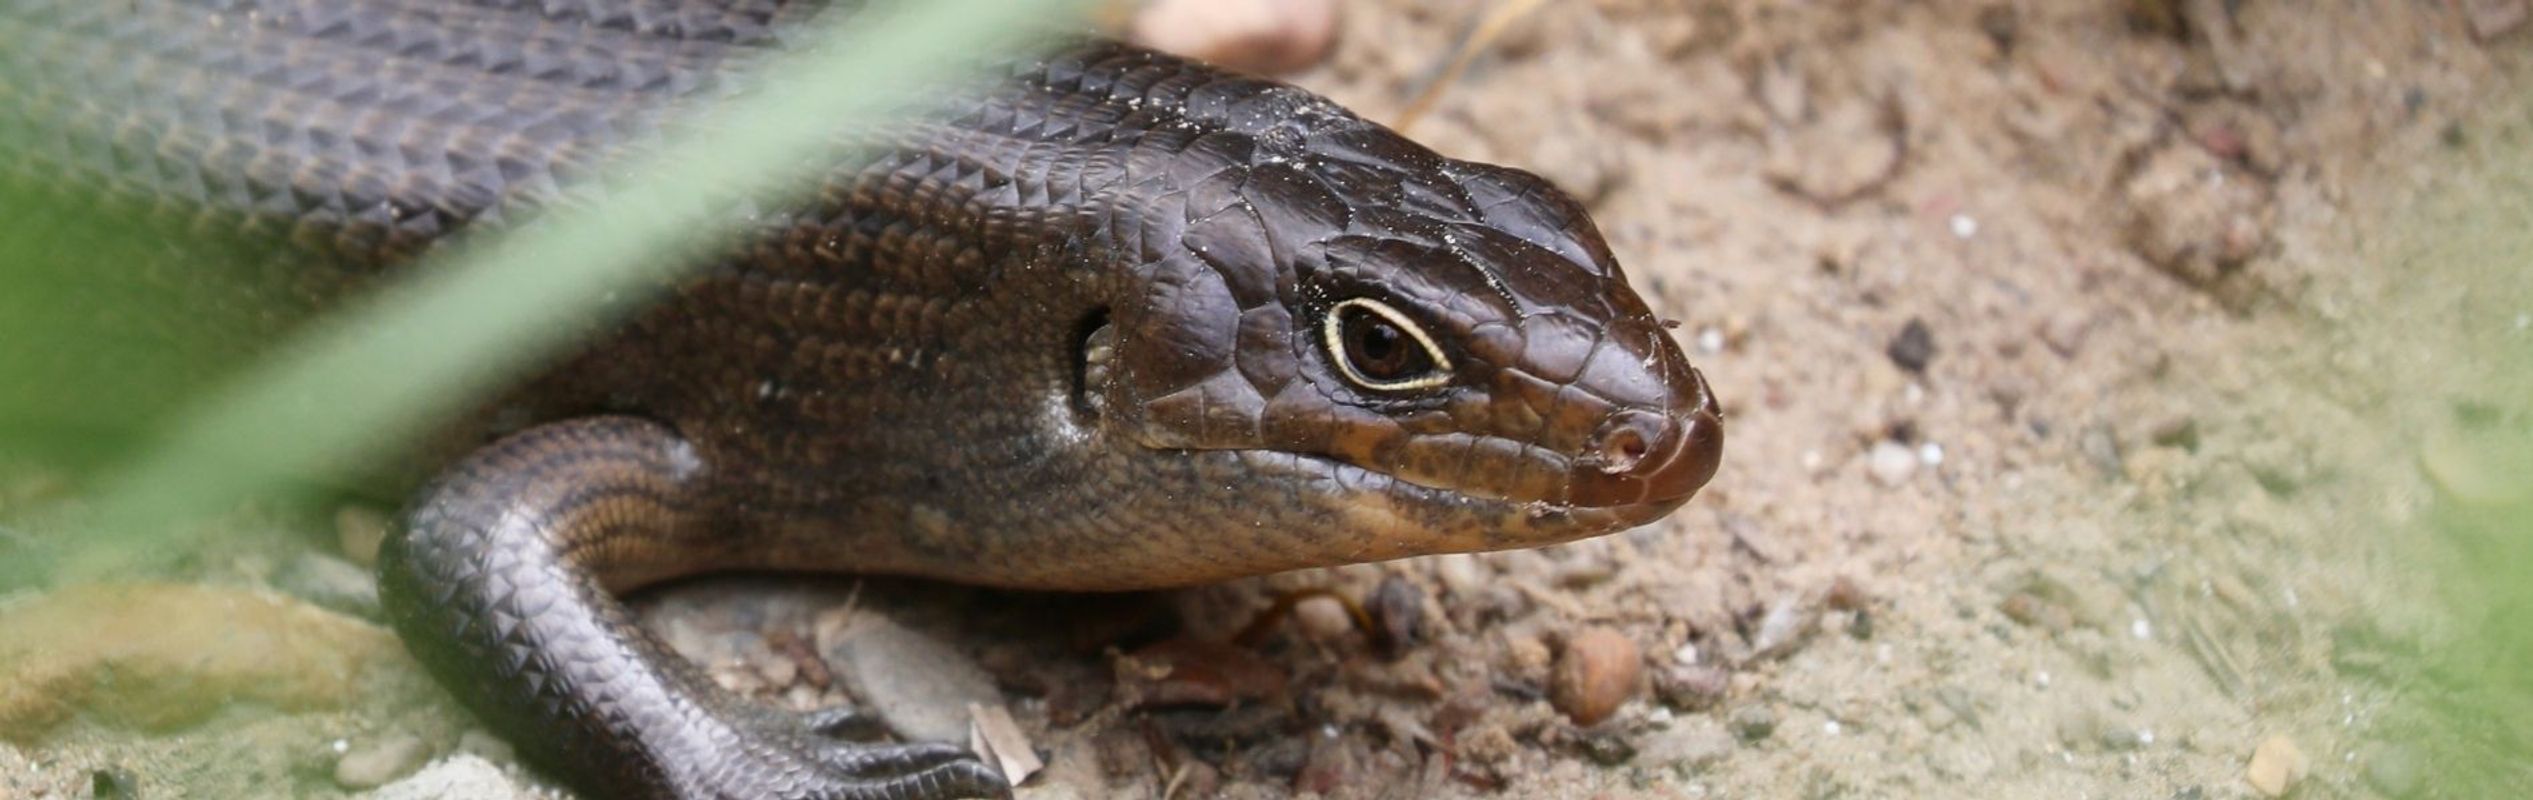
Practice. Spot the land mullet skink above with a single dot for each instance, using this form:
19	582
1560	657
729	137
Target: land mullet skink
1108	320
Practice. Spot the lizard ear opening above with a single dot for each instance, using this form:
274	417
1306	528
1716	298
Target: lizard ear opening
1095	349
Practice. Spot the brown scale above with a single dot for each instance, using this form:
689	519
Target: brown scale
1113	320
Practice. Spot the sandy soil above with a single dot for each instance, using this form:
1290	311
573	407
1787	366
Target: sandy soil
2134	515
2069	456
2114	541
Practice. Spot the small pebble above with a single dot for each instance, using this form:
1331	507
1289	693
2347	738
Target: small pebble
2491	19
1329	765
1461	573
1891	463
1692	687
1913	348
919	685
1527	659
2065	331
1790	620
113	783
1753	722
483	743
1845	594
1323	618
2118	737
1957	702
1584	565
375	762
2029	609
330	582
2275	767
2079	727
2181	432
1264	36
1963	226
2102	447
463	775
359	530
1596	673
1398	615
1607	748
2001	25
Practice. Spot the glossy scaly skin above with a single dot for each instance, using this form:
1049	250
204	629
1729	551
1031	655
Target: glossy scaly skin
1112	320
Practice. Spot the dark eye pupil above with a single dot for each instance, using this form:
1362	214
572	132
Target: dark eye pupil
1380	350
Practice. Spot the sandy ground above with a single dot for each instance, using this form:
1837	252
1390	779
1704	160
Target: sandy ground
2075	390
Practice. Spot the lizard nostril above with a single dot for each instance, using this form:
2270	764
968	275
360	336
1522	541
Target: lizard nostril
1642	457
1623	447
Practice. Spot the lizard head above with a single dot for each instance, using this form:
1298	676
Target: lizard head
1431	355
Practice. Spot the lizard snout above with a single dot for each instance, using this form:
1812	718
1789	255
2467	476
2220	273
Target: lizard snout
1652	458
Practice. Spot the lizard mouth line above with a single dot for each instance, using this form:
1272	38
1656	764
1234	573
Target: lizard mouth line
1358	481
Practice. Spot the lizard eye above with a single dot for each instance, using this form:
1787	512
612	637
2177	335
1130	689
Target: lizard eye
1377	347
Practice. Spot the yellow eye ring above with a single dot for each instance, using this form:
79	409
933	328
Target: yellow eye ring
1365	337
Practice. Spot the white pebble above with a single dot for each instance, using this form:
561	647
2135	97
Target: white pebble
1891	463
2141	629
1930	454
1964	226
1830	727
1710	341
392	756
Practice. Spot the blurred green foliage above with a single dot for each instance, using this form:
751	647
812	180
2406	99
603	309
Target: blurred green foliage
2452	319
2472	704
